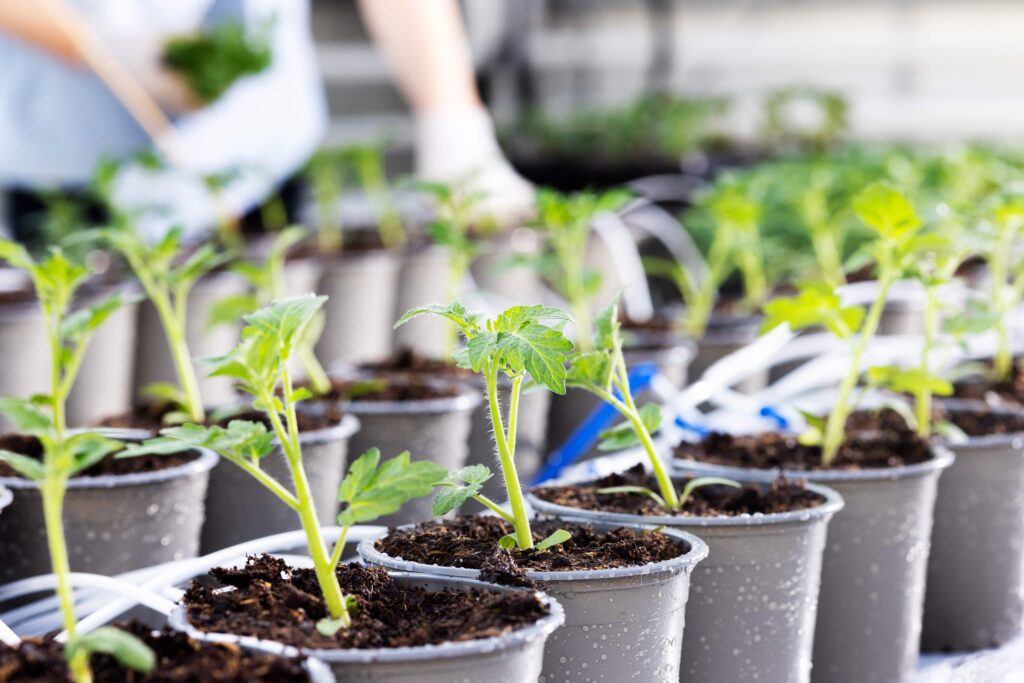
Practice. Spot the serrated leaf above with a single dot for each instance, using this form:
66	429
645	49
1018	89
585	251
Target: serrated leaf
909	380
453	494
475	474
608	327
887	211
369	492
241	439
128	650
88	448
590	368
78	324
815	304
30	468
557	538
455	311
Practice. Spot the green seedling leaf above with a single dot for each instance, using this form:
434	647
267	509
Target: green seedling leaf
162	391
454	494
362	388
82	322
508	542
284	320
639	490
455	311
26	416
624	436
699	482
240	440
128	650
88	448
887	211
30	468
950	432
557	538
815	304
369	492
593	368
230	309
908	380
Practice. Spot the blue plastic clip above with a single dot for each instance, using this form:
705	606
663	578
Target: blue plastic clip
583	438
781	422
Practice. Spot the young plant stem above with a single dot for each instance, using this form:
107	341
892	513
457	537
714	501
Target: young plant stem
289	439
53	487
827	252
835	429
520	519
493	507
1002	363
923	405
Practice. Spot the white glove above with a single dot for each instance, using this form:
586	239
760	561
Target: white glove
459	147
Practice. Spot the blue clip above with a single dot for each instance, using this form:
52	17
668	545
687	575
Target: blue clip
583	438
772	414
692	427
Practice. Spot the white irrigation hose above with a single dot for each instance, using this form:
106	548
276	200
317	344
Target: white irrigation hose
667	229
7	636
622	248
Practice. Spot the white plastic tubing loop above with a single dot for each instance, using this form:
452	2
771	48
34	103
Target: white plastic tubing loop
636	295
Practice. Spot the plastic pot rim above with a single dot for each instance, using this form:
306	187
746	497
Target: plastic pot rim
942	457
204	463
697	552
542	628
5	497
348	426
986	441
833	503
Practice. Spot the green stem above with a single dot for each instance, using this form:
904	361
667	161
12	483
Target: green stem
56	383
322	566
53	508
835	430
273	485
315	373
521	522
998	262
339	548
827	251
924	396
494	507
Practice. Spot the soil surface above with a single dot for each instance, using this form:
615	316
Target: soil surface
472	542
980	421
408	361
30	446
279	603
705	501
179	660
410	387
150	416
873	442
977	387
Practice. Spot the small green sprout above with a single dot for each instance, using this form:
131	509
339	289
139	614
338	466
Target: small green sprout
324	173
168	281
524	342
894	223
214	60
568	220
1007	279
370	489
367	162
691	486
267	280
56	279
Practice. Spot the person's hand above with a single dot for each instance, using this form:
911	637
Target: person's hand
458	147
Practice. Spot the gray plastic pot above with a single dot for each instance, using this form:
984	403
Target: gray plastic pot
153	356
362	287
620	624
978	537
239	508
670	352
753	601
423	279
873	576
511	658
104	384
534	407
434	429
113	523
902	317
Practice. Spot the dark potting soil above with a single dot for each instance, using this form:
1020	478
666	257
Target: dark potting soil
981	420
408	361
472	542
279	603
179	660
24	444
150	417
863	450
705	501
409	387
980	388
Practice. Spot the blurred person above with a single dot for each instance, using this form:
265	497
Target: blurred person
59	116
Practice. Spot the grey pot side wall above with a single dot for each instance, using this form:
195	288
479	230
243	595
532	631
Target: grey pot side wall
153	356
495	272
873	574
753	601
978	538
620	625
423	279
362	290
239	508
113	524
510	658
435	430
